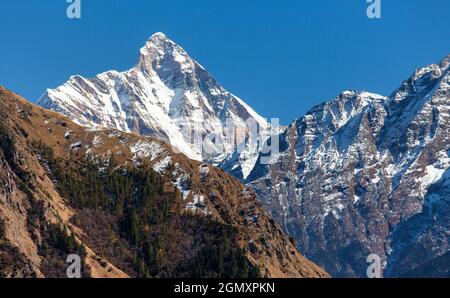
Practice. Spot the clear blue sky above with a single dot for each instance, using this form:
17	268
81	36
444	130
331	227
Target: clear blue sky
281	56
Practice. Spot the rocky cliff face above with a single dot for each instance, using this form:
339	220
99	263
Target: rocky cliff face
365	174
127	204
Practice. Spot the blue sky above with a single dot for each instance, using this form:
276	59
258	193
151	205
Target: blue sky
281	56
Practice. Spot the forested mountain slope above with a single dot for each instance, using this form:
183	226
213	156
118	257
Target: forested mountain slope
126	204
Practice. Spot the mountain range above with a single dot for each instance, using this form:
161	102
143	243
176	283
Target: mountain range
358	175
366	174
127	205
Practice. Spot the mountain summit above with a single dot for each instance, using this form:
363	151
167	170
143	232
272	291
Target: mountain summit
167	94
365	174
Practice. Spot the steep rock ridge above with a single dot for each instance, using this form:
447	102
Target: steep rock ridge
166	94
29	202
364	174
209	196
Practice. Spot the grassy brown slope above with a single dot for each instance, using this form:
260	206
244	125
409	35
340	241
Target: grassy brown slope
227	201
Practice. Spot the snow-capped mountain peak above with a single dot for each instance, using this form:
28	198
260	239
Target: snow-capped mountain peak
166	94
160	51
365	174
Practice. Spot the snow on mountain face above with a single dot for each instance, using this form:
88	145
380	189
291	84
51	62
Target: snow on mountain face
166	94
364	174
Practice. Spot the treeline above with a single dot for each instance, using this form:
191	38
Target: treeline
56	243
220	256
150	218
